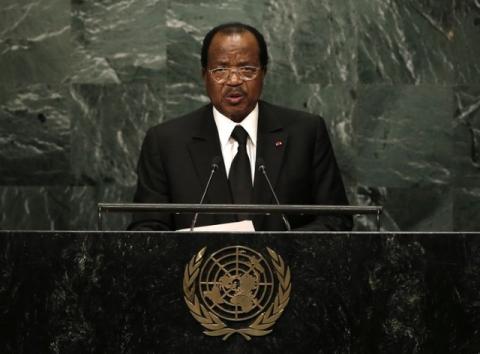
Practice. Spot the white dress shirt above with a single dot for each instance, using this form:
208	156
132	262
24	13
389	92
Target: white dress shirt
229	145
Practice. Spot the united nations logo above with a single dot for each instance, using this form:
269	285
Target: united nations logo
236	284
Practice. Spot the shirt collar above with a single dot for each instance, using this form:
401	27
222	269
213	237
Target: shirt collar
225	125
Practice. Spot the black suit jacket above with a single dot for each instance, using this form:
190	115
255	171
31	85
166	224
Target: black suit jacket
176	157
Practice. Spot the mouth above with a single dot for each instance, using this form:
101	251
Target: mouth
234	97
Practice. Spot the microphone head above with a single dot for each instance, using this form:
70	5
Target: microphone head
261	164
215	162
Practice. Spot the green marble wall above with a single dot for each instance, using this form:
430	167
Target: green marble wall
398	82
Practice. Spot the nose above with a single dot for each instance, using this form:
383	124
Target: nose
234	78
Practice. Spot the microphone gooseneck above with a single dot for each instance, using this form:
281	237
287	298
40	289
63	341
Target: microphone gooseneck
213	168
263	170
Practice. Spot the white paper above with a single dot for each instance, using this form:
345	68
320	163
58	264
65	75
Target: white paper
239	226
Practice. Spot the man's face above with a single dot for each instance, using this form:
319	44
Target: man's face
234	98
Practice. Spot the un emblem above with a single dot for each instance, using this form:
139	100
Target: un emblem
236	284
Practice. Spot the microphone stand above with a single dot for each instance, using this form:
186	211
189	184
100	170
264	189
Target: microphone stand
262	169
214	168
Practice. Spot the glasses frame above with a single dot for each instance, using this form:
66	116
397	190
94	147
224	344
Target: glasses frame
236	70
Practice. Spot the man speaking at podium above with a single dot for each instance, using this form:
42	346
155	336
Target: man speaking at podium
238	138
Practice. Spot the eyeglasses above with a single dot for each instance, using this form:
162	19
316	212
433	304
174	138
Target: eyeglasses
222	73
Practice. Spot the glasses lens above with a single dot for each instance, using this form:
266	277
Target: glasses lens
248	72
244	72
220	74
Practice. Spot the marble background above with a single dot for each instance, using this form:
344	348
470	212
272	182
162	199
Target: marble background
398	82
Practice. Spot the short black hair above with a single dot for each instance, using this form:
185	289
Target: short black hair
231	28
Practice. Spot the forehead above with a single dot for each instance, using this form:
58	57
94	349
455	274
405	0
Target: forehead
227	45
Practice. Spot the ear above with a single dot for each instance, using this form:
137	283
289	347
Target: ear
204	73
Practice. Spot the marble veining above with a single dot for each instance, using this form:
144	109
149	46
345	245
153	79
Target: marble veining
110	126
396	81
35	136
389	150
123	41
467	135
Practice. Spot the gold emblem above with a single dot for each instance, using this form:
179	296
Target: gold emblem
236	284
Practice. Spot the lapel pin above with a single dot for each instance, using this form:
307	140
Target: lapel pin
278	143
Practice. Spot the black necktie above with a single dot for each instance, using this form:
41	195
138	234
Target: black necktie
240	176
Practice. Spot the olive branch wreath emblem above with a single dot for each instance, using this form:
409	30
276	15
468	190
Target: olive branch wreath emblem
213	325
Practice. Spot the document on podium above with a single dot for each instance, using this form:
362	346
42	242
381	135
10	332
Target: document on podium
239	226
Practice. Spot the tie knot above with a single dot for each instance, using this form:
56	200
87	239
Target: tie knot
240	135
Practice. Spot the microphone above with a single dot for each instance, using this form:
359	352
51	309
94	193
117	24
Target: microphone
263	170
213	168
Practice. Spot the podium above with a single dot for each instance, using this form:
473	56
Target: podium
251	209
124	292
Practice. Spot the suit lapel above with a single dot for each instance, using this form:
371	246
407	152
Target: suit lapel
203	147
271	146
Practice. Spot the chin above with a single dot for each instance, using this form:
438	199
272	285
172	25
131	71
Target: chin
239	113
236	117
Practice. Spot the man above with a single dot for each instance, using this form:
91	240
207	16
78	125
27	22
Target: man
240	132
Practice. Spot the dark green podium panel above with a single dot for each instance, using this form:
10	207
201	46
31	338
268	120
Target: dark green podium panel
93	292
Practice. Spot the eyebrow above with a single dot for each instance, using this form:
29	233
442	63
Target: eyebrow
222	62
